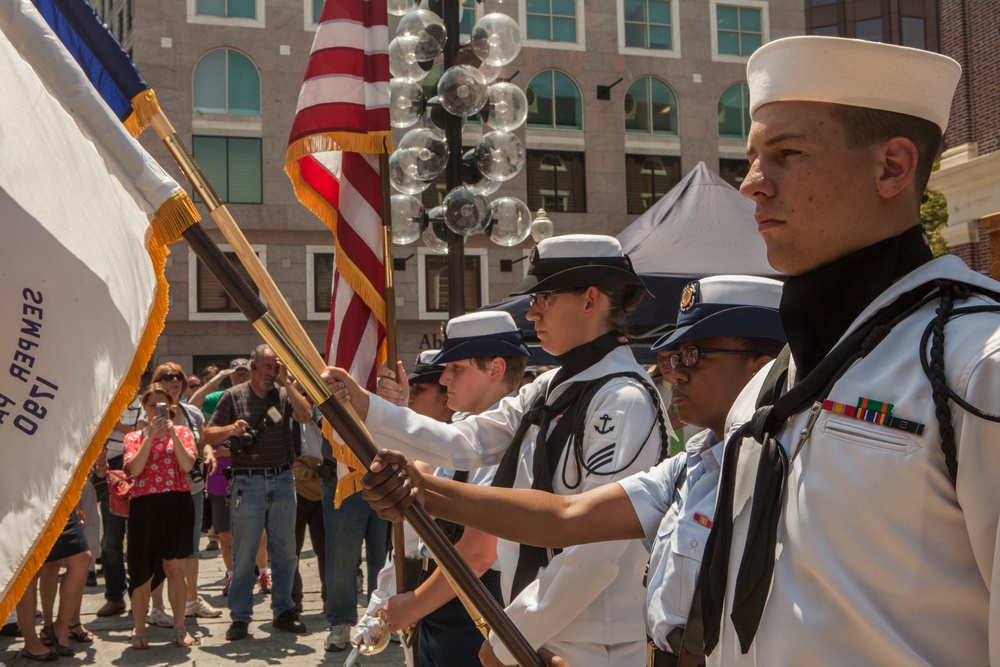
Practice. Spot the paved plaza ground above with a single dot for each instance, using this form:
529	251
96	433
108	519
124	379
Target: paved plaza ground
265	646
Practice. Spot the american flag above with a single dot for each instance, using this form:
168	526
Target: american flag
341	122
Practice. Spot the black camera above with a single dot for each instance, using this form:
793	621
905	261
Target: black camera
244	443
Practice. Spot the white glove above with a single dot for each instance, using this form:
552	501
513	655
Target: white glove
366	631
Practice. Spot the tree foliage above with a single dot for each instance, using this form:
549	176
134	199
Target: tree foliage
934	217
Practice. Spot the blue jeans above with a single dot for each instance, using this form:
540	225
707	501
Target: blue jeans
346	528
256	503
113	547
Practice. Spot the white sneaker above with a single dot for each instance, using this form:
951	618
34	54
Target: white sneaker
201	609
159	616
337	639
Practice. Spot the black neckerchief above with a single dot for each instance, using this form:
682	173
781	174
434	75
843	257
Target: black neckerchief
548	449
582	357
815	307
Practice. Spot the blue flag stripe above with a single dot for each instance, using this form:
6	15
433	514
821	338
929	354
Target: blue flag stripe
99	54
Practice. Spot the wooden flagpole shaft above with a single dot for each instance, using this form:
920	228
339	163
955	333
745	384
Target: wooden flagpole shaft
298	352
391	351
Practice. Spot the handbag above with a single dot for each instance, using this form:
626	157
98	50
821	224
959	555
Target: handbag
307	482
120	485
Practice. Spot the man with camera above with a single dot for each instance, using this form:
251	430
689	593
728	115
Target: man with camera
256	417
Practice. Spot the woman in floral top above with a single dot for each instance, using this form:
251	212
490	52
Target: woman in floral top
161	516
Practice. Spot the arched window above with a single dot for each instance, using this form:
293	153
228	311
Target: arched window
734	111
650	107
225	81
554	102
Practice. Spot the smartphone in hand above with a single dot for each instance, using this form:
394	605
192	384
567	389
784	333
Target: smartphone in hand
161	410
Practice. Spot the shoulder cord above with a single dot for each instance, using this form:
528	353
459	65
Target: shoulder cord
933	364
577	436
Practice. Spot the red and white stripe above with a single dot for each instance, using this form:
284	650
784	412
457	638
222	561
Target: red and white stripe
344	106
346	86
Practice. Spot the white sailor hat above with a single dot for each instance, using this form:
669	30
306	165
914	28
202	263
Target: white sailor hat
578	260
424	371
737	306
488	333
854	72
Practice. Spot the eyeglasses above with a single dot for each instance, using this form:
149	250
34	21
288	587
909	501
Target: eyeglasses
170	376
691	355
540	300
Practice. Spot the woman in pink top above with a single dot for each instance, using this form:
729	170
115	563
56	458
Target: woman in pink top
161	516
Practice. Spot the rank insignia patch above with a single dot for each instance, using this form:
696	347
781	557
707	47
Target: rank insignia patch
874	412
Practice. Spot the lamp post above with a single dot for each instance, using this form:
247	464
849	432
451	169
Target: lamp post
436	145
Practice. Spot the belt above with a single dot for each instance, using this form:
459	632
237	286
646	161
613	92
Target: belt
656	657
261	472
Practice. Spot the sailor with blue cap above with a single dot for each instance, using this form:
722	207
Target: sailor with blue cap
728	329
481	361
594	420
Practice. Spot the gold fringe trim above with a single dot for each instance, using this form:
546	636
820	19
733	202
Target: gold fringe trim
349	142
173	217
323	210
123	397
347	487
144	107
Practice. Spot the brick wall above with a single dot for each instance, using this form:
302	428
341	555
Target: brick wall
969	31
976	255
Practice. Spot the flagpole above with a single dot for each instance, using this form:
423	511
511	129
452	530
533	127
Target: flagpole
391	354
284	334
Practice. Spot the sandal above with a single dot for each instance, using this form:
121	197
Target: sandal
51	656
48	637
183	640
139	642
78	633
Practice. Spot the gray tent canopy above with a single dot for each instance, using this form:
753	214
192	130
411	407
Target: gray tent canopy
703	226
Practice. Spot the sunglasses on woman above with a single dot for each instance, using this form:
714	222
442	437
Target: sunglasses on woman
170	376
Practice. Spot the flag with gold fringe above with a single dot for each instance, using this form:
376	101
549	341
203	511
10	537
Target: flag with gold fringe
87	215
341	123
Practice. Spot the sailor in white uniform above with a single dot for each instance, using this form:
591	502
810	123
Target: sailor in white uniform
602	420
727	329
859	500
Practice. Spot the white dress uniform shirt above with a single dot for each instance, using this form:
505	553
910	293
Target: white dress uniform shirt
589	593
881	559
676	519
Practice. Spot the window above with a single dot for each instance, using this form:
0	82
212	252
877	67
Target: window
870	29
319	281
551	20
734	111
825	30
232	165
468	17
650	107
242	13
733	171
433	281
225	81
648	24
556	182
739	30
914	32
821	3
648	178
554	102
317	9
207	300
238	9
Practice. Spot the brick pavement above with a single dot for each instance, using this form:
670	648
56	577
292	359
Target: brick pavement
265	646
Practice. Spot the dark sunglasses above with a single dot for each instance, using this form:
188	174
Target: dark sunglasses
170	376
